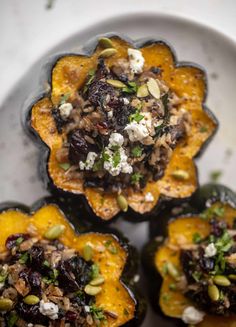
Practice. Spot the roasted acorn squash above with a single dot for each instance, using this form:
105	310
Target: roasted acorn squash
117	267
179	230
67	73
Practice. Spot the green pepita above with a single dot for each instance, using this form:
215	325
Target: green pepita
31	299
122	203
116	83
105	43
232	277
87	252
97	281
64	166
142	91
213	292
180	174
221	280
92	290
171	270
107	53
54	232
153	88
5	304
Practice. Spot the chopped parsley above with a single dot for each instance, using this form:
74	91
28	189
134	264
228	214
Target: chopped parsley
3	277
23	258
116	158
135	178
97	313
197	275
203	129
136	116
130	88
110	246
19	240
197	238
209	213
136	151
12	319
52	279
64	98
172	287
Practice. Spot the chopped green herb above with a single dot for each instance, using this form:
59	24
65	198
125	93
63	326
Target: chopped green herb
116	158
215	175
197	275
12	319
23	258
135	178
3	277
19	240
203	129
130	88
105	156
64	98
224	243
52	279
111	248
166	297
211	212
136	117
46	263
197	238
136	151
97	313
98	165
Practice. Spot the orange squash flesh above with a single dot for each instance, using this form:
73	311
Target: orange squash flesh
69	74
114	295
180	233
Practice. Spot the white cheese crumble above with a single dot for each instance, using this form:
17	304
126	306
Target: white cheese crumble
136	60
110	114
122	167
49	309
65	109
149	197
89	162
126	101
116	139
192	316
137	131
210	250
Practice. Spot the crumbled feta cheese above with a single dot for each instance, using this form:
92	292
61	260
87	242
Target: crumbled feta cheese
192	316
210	250
136	60
65	109
136	278
89	162
116	139
126	101
49	309
149	197
30	325
137	131
122	167
110	114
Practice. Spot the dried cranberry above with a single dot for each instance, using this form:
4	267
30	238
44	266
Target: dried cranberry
11	241
37	258
31	313
66	281
71	316
35	280
217	227
207	264
78	148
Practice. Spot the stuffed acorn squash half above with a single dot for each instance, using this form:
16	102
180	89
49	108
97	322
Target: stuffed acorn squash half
122	123
52	276
193	270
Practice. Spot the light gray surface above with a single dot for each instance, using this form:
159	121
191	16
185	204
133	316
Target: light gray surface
193	42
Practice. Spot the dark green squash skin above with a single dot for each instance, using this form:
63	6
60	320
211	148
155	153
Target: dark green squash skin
88	50
203	198
82	226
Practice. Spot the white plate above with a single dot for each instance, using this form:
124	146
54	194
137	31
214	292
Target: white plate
192	42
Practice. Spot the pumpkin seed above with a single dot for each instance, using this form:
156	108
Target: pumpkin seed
97	281
107	53
87	252
64	166
180	174
153	88
104	42
213	292
54	232
116	83
232	277
172	271
5	304
221	280
31	299
142	91
92	290
122	202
